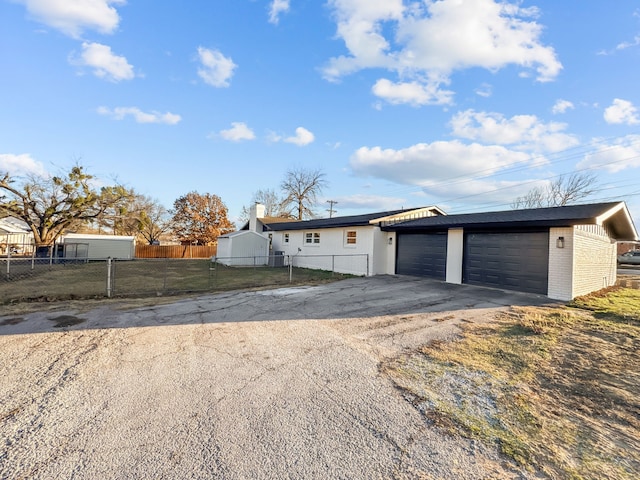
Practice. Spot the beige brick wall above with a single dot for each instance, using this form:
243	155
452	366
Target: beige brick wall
594	261
586	263
560	286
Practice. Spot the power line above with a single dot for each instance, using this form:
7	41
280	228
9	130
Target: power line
532	162
529	182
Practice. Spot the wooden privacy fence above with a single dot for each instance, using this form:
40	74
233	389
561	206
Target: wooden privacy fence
175	251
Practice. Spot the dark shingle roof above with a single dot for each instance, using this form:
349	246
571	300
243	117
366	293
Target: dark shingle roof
335	222
615	214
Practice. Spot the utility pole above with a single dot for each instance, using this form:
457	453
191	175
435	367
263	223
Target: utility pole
330	209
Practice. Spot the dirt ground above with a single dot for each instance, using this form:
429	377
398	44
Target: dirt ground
281	383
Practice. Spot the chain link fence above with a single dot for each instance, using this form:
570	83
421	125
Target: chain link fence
49	279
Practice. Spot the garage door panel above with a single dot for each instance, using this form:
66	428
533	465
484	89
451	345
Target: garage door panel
423	255
515	261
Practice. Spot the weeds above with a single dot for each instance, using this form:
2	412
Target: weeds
555	389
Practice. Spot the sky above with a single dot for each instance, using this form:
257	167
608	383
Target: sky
463	104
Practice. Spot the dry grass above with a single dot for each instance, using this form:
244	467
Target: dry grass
556	389
69	281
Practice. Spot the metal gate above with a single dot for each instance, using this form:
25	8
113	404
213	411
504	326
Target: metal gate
422	255
513	261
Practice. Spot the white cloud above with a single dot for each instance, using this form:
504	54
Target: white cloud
561	106
239	131
104	62
72	17
413	93
425	164
216	69
427	43
276	8
119	113
301	138
485	90
633	43
523	132
622	46
622	111
20	164
613	157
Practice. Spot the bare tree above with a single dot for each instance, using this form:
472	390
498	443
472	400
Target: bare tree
301	188
271	201
154	221
564	190
49	205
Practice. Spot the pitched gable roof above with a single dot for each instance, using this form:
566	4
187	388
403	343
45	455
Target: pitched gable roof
347	221
613	215
13	225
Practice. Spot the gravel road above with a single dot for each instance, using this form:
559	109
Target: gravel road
276	384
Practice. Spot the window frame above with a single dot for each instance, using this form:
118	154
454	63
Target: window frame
312	239
350	241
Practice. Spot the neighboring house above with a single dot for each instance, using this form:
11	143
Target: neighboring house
561	252
624	247
15	236
351	244
97	247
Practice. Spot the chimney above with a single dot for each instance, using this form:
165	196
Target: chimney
256	212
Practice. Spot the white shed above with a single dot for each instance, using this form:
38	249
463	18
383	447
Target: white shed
243	247
97	247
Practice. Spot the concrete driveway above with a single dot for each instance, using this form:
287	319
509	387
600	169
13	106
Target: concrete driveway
268	384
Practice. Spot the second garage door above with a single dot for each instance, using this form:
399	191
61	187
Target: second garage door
422	254
513	261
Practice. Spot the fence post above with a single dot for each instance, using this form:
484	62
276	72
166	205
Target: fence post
166	272
8	247
108	277
290	268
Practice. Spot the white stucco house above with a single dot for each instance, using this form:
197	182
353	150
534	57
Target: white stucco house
560	252
350	244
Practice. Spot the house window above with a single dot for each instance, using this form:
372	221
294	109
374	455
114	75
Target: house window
312	238
286	238
351	237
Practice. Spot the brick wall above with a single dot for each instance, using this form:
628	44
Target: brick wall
594	262
586	263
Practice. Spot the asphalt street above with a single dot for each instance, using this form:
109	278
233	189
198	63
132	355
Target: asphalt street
274	384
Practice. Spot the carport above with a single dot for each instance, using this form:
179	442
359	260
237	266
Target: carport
561	252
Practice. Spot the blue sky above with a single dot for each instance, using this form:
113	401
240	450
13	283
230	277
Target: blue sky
464	104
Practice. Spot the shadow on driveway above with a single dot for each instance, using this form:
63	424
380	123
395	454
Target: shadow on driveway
353	298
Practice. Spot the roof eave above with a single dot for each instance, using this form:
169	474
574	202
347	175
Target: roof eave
619	221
